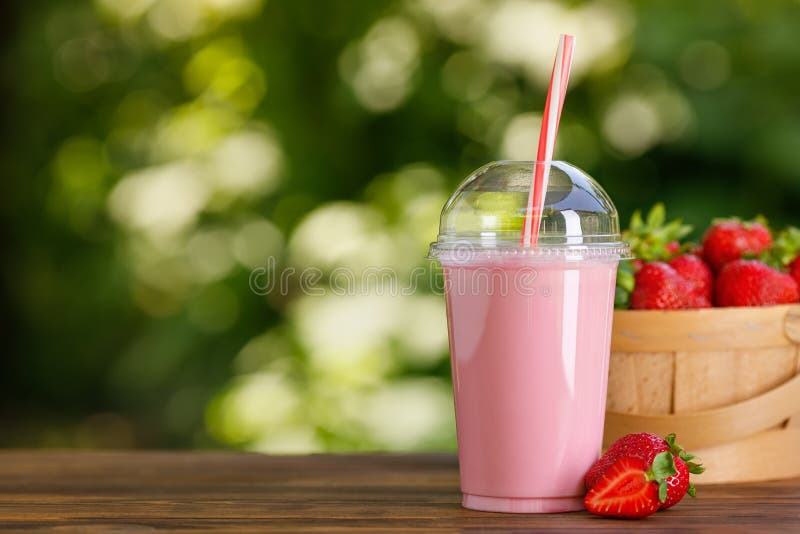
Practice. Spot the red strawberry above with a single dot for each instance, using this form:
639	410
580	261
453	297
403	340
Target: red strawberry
631	487
672	247
643	445
659	287
729	240
646	446
699	276
760	237
754	283
794	269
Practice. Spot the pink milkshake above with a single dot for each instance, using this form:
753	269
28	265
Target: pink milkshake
527	377
529	335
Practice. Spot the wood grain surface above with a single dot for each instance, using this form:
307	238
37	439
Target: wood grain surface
225	492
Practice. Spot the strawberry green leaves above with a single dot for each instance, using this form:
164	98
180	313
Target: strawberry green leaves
695	467
654	239
785	248
625	283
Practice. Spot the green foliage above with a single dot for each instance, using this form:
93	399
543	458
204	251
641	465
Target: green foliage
156	153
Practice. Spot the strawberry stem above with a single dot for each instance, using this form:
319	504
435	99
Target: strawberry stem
695	468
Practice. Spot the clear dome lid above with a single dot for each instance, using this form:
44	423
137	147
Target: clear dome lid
487	212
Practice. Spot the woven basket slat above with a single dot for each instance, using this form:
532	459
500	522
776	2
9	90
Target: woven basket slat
726	380
640	382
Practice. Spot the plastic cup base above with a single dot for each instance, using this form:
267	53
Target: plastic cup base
510	505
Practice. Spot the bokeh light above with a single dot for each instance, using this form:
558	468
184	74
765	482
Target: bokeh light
163	151
380	67
145	200
705	65
520	33
521	134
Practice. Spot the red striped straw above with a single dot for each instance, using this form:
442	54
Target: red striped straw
547	139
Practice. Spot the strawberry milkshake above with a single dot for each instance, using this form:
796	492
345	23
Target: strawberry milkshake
529	335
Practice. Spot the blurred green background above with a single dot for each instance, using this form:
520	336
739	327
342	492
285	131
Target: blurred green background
155	152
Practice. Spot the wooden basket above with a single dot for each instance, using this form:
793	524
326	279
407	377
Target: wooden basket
725	380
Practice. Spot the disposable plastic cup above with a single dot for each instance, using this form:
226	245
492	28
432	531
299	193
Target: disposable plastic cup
530	332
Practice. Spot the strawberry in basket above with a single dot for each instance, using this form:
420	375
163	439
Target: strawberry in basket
731	239
664	275
739	264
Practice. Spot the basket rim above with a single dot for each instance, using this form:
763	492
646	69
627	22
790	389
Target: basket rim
708	329
728	310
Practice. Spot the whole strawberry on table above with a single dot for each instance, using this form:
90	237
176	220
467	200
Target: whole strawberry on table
738	263
639	475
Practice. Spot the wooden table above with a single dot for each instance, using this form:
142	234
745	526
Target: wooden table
191	492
